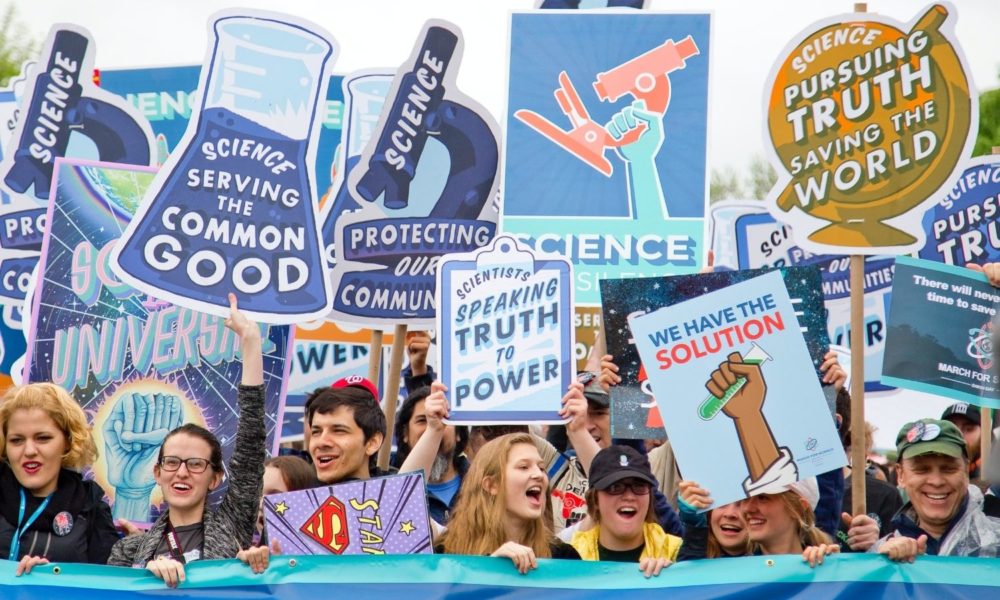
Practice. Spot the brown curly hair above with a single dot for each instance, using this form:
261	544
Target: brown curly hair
61	408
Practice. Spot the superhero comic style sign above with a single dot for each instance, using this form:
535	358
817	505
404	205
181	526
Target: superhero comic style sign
233	208
505	334
137	365
426	185
733	377
606	141
869	121
381	515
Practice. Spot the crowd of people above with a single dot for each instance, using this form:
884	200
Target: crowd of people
571	492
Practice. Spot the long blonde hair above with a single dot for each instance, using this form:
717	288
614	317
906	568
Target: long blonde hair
477	526
81	451
805	521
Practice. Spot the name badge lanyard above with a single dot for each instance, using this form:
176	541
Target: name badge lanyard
174	544
15	543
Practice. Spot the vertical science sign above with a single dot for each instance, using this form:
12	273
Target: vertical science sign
605	160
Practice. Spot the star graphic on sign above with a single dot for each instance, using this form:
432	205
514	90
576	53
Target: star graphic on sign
407	527
280	508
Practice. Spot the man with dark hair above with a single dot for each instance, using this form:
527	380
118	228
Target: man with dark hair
346	429
945	514
449	466
966	418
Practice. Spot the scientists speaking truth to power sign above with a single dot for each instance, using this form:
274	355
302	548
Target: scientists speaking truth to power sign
868	121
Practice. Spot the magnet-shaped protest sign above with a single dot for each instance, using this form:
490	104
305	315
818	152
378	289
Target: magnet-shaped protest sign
62	102
381	515
233	208
505	333
963	227
868	122
734	379
137	365
426	184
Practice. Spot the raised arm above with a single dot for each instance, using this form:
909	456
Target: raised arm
246	466
422	454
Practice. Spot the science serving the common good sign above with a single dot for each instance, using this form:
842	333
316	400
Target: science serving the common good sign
868	122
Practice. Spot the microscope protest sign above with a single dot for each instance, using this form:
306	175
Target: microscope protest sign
54	110
606	141
634	406
381	515
868	122
426	184
941	332
233	209
505	333
137	365
735	378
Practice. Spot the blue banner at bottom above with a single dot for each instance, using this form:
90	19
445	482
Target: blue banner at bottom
419	577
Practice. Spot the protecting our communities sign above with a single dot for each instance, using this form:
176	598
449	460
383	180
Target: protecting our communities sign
869	121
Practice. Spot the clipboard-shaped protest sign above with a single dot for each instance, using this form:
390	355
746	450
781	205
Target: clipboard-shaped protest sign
505	333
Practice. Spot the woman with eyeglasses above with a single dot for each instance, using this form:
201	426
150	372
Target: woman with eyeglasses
625	524
190	466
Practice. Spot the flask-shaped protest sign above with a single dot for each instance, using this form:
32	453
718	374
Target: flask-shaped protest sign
233	208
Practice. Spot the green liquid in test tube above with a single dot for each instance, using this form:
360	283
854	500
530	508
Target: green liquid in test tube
712	405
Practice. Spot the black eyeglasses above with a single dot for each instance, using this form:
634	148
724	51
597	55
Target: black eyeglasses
194	465
639	488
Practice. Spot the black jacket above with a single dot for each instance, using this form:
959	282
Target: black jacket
93	530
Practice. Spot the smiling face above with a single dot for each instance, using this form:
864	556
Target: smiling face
729	529
338	447
35	447
184	491
768	521
526	484
936	485
622	516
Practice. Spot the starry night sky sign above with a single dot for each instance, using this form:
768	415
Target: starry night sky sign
632	400
137	365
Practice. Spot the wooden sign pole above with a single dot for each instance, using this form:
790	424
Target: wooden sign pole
392	393
858	459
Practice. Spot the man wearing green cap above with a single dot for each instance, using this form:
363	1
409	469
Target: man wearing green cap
945	514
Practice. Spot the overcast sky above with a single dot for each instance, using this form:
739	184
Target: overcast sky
747	38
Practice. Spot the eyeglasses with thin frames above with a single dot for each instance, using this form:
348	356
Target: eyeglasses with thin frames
194	464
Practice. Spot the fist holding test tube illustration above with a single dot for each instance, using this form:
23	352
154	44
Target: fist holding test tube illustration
738	389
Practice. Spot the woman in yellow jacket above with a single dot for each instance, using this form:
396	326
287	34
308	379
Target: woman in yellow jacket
625	526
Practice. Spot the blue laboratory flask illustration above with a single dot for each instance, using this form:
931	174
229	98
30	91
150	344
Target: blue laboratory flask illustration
236	211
